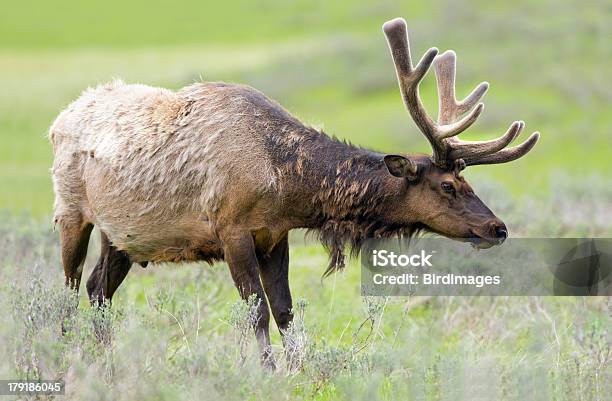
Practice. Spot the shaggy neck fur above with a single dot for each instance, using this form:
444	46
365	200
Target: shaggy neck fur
350	191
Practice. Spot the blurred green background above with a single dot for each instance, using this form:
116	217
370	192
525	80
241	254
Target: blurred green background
327	62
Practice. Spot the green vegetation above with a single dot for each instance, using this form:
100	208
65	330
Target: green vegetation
172	330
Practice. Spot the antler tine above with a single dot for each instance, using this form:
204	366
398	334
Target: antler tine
473	149
397	37
454	129
473	97
445	77
449	108
506	155
409	78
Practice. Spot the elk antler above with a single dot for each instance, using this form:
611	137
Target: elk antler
442	134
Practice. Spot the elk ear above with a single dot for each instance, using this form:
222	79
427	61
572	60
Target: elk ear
400	166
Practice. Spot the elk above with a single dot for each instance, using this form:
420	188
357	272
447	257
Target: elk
218	171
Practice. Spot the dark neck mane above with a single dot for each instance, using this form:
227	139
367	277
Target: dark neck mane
348	187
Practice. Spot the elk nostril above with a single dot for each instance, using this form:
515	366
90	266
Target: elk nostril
501	232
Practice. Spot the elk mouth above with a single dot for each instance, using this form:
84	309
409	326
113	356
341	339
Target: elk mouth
480	242
473	238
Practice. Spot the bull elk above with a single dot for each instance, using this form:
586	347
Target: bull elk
219	171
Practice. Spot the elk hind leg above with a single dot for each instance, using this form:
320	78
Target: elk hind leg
74	239
111	269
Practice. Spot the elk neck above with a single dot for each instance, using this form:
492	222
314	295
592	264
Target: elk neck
328	181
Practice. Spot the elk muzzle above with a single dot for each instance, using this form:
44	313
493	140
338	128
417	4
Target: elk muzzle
493	232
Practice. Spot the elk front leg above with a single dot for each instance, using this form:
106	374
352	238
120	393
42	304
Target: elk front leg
239	250
274	272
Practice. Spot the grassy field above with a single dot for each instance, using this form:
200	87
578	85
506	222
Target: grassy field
175	331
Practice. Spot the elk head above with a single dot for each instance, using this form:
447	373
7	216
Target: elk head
438	197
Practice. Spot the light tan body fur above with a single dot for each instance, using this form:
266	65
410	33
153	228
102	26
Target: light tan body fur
152	168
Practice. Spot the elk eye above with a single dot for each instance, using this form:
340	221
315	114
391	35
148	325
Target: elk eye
448	188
